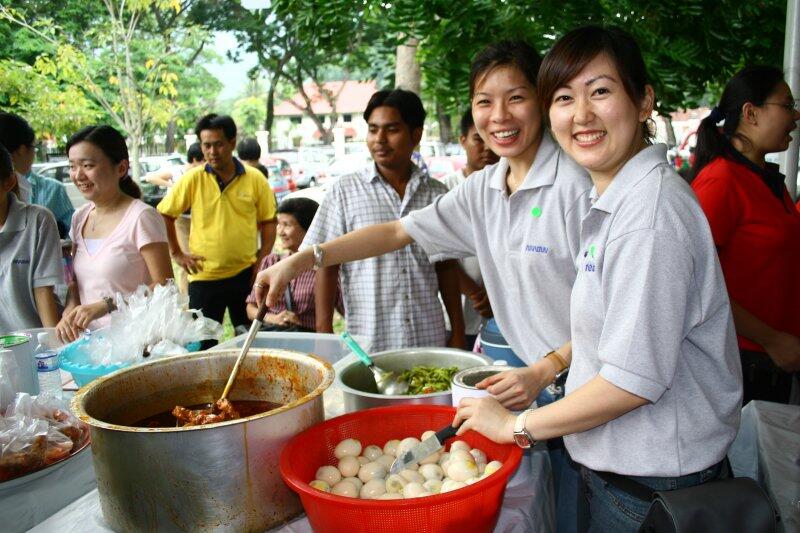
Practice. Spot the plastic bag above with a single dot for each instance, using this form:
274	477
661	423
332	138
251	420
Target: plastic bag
52	410
144	319
9	378
32	434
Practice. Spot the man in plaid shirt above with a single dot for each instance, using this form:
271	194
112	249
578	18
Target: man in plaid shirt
391	301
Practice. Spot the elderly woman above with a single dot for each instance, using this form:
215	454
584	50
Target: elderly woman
295	311
120	241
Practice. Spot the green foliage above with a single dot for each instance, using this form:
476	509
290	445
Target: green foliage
53	111
249	114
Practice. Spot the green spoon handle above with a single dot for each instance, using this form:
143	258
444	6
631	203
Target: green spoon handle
353	345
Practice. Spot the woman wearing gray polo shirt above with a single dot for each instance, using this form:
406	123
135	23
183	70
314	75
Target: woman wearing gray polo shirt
655	383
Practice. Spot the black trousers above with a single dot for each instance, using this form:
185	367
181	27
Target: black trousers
213	297
763	380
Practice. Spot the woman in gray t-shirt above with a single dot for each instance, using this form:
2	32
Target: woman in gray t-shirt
654	385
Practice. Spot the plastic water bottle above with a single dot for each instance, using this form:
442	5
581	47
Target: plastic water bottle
47	368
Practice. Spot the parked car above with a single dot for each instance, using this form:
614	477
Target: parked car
346	164
306	165
282	167
439	167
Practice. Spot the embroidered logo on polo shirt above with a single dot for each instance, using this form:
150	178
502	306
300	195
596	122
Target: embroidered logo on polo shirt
21	261
536	249
536	212
590	253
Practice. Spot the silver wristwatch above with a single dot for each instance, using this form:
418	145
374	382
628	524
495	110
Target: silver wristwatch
319	255
523	437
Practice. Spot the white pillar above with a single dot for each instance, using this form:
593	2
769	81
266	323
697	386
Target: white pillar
262	136
190	139
791	66
338	141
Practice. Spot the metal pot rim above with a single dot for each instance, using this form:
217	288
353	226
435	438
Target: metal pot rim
379	355
76	404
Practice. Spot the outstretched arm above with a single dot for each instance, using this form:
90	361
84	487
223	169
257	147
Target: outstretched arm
360	244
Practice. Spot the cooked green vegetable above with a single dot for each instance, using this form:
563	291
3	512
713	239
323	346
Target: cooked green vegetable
428	379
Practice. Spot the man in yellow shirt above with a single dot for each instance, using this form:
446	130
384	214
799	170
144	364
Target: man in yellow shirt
232	206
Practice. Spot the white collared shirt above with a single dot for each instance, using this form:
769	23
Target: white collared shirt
391	300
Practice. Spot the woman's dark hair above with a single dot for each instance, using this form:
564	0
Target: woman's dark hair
751	84
248	149
212	121
194	153
6	166
112	144
575	50
516	53
406	102
302	209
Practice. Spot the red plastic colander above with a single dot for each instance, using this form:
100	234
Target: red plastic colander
475	507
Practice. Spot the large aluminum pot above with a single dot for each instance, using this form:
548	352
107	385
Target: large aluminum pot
358	382
219	477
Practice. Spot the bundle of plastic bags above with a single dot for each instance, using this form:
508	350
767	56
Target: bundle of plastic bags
149	324
37	431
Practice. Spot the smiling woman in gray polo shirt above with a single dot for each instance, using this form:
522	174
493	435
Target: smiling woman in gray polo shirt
30	259
654	387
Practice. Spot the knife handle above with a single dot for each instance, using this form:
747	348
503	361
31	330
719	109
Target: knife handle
446	433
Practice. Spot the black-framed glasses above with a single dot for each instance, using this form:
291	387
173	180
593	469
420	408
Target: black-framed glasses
793	106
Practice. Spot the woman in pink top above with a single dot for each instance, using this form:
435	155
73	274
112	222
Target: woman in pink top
119	241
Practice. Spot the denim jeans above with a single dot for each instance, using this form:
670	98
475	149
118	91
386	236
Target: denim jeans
615	511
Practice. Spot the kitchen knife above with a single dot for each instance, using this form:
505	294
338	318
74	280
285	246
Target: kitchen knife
422	450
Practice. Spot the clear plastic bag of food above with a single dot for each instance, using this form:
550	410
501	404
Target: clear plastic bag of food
9	378
52	410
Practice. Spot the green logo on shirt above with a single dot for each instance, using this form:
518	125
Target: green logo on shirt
536	212
591	251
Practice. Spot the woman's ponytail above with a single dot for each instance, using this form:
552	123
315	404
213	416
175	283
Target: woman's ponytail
129	187
711	143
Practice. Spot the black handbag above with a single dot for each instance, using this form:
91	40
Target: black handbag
725	506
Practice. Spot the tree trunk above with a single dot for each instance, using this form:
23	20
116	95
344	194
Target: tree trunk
134	156
445	126
169	143
406	71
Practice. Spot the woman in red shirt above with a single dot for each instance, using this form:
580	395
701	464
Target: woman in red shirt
755	224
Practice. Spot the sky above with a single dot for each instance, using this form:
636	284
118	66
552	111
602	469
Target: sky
232	75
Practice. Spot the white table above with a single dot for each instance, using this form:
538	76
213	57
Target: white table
767	449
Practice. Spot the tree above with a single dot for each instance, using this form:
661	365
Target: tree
128	70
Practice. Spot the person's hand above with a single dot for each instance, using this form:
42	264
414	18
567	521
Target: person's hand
784	350
284	318
516	389
189	262
77	319
487	417
271	282
480	302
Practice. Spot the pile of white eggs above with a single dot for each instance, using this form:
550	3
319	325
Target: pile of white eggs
364	473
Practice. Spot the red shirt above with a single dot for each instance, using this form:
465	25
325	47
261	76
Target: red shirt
758	240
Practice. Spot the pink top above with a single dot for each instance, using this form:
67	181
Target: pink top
118	265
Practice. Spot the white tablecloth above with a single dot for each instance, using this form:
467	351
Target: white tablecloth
767	449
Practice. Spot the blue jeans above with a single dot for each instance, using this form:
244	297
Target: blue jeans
615	511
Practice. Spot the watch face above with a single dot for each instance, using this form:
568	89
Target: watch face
522	440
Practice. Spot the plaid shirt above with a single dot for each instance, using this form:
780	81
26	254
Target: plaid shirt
51	194
302	290
392	300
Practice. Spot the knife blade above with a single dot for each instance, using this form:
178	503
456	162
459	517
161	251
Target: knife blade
422	450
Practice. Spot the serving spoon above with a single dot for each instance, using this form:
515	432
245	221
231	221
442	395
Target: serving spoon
219	405
384	379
